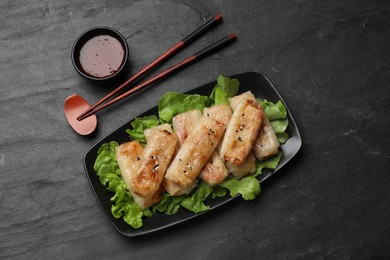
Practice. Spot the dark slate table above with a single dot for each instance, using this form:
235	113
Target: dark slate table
330	60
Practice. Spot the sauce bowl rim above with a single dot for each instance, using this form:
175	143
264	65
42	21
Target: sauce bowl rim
81	40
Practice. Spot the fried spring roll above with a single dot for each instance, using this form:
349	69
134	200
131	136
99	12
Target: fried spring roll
184	123
126	156
193	154
267	143
154	161
249	165
215	171
241	132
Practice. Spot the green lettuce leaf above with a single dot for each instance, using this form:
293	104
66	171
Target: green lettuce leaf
218	192
270	163
282	137
194	202
139	125
225	89
273	111
168	205
279	125
172	104
248	187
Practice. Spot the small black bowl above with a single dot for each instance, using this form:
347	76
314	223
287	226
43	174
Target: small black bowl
88	35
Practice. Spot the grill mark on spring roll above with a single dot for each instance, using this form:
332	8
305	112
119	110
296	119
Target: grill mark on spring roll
193	154
155	159
241	132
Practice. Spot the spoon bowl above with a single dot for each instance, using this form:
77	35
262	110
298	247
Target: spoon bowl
74	105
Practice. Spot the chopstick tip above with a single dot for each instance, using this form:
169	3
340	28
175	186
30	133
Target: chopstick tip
233	36
218	18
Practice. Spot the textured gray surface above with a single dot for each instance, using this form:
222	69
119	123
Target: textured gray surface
330	60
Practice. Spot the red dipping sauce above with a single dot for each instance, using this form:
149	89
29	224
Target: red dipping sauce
101	56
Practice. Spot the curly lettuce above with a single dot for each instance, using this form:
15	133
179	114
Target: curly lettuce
172	104
225	89
139	125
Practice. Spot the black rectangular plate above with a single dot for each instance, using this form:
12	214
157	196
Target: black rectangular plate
260	86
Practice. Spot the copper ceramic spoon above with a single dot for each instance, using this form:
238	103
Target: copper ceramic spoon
74	106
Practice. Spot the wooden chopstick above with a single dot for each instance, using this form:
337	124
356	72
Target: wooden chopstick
180	45
186	62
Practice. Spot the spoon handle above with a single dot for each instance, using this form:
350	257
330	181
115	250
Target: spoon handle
180	45
186	62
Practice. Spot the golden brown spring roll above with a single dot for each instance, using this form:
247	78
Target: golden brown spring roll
215	171
193	154
249	166
241	132
154	161
127	155
267	143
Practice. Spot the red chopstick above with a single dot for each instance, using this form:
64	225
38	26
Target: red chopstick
180	45
190	60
